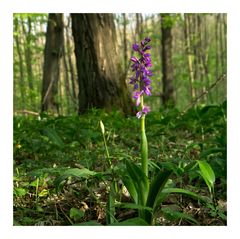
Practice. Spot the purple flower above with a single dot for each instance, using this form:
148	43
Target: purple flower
146	48
145	109
146	90
141	82
134	59
146	81
135	47
135	87
147	39
137	95
139	114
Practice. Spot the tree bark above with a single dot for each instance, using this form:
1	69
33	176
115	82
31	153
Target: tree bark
139	26
125	56
21	68
52	56
167	66
72	69
189	55
100	80
28	57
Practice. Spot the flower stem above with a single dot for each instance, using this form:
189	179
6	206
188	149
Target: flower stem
144	145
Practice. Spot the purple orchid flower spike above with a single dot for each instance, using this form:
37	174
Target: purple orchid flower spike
140	81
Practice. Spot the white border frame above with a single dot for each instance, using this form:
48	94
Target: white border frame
8	7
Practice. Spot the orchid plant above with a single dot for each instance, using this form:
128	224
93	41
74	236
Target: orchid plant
145	194
142	86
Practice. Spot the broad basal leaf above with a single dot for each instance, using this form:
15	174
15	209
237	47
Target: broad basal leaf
136	221
156	187
74	172
133	206
128	182
207	174
182	191
139	180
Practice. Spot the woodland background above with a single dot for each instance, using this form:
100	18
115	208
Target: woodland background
192	60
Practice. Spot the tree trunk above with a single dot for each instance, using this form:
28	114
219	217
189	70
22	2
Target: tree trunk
189	55
66	80
125	56
139	26
21	68
52	56
69	51
167	66
28	58
100	80
200	52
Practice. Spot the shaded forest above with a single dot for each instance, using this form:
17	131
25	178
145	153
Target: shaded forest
189	49
79	148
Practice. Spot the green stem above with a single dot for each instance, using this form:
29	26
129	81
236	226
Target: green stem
144	145
109	162
107	152
36	193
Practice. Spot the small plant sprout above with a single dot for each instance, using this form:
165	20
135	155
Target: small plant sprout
105	143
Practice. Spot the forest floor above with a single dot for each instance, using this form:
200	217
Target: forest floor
47	147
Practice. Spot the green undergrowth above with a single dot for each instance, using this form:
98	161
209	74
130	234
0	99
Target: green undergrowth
48	151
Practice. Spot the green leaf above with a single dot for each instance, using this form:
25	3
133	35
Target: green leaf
20	192
174	215
136	221
133	206
140	182
76	213
182	191
53	137
156	187
39	208
74	172
127	181
43	193
40	172
110	212
88	223
207	174
211	151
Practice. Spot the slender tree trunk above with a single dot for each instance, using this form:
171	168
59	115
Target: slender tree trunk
194	43
139	26
52	56
189	55
28	58
66	80
224	22
205	60
200	51
125	56
167	66
222	46
217	33
21	67
100	78
72	69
